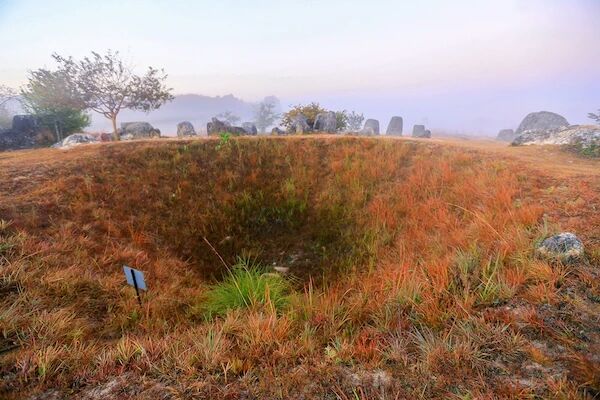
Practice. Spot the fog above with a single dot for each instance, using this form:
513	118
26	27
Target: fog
467	67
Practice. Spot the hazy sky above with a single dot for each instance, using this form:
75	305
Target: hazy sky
461	65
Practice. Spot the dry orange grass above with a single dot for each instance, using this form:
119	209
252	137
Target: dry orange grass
413	271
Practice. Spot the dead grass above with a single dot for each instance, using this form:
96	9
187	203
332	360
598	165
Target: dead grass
412	272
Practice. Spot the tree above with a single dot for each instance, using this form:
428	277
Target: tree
266	113
56	104
106	85
355	121
6	94
595	117
228	117
309	111
341	120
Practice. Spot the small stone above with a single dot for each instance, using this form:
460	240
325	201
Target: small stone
564	247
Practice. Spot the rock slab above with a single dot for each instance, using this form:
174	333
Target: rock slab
395	126
299	125
76	139
583	136
217	127
185	128
419	131
371	127
138	130
325	122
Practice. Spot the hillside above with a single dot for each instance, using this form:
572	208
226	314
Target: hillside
409	270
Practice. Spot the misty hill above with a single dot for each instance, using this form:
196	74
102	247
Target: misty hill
197	109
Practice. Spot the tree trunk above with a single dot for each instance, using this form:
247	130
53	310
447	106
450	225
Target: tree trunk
116	135
56	131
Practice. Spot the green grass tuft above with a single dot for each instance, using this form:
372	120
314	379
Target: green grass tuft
247	286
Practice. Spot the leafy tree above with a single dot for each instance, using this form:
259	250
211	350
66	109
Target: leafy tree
228	117
355	121
56	104
6	94
266	113
595	117
341	120
106	85
310	111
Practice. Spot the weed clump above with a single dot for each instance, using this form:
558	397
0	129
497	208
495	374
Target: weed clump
247	285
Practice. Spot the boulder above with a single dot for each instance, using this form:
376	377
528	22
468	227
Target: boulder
14	140
325	122
102	136
367	131
217	127
185	128
371	127
299	125
138	130
277	131
564	247
542	121
582	136
250	128
22	134
76	139
585	139
419	131
506	135
27	124
394	127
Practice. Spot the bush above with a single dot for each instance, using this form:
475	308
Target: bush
310	111
247	286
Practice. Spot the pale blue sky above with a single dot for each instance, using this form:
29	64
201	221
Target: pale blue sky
461	65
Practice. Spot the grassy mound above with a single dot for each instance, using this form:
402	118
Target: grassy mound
412	273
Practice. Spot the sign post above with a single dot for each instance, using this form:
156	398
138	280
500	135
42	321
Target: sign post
135	278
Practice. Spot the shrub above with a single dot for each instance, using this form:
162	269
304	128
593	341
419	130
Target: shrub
247	286
310	111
